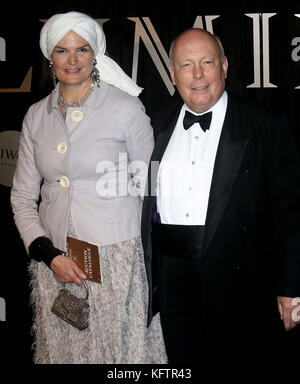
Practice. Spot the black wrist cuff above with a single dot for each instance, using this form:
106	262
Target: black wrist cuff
41	249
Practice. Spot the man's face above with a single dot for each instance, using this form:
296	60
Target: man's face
197	70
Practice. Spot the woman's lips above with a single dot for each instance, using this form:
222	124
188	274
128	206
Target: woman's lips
73	70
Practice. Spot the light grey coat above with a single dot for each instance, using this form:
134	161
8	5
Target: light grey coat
72	162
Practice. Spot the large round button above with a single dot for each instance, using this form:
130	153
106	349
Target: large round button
61	147
64	182
77	116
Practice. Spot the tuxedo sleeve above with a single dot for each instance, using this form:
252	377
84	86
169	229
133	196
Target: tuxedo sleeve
284	186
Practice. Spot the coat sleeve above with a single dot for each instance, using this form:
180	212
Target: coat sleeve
26	188
284	187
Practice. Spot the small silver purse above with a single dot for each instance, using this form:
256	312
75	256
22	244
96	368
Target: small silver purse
72	309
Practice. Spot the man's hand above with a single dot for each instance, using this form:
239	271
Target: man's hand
288	313
66	271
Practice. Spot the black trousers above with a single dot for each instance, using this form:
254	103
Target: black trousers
192	330
177	251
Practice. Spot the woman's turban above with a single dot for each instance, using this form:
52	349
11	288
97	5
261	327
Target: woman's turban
88	28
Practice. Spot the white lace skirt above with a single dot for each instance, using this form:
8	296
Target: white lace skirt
117	332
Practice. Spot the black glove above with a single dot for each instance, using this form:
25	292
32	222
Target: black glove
41	249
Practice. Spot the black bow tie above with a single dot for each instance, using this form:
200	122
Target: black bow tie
203	120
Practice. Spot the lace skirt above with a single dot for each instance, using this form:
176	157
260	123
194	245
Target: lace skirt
117	332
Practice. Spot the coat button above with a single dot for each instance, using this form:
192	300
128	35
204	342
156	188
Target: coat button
64	182
61	147
77	116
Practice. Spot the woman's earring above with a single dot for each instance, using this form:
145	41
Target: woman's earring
52	73
95	73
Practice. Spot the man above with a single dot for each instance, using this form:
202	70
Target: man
222	237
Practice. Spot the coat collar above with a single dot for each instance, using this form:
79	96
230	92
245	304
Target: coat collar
95	100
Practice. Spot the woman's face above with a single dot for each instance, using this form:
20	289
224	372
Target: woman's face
72	60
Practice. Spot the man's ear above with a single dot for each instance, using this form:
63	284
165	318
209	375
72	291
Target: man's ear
225	66
172	74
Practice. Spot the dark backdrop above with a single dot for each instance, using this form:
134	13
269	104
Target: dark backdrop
278	32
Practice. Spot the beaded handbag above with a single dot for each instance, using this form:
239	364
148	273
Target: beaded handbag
72	309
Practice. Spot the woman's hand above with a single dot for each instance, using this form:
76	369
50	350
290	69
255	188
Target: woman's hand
66	271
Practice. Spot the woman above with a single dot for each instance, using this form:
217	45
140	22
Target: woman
74	151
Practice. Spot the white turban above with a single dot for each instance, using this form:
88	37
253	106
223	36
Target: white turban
59	25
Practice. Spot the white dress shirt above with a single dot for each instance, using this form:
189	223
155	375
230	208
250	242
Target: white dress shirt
186	169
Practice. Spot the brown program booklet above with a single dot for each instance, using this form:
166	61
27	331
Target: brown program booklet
86	256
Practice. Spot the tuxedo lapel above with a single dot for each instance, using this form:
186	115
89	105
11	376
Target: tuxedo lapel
168	124
229	155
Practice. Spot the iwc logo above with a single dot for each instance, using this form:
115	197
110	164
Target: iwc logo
9	144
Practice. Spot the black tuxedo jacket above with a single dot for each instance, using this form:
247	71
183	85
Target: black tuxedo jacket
251	249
